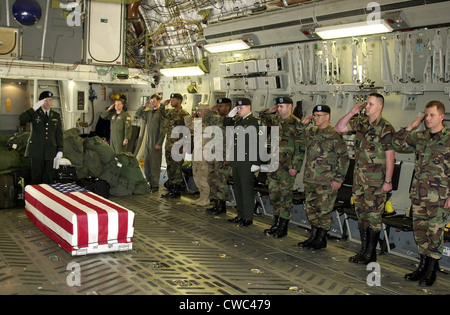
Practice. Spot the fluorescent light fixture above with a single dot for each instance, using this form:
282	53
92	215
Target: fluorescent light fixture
231	45
182	71
354	29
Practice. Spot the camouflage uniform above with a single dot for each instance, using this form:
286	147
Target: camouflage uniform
326	161
291	154
430	186
219	172
172	118
371	143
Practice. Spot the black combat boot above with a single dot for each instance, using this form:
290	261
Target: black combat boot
429	277
320	241
370	255
282	228
221	207
169	188
214	207
363	232
419	272
174	193
274	226
307	242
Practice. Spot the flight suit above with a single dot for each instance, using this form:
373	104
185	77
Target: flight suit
120	129
46	139
430	186
155	136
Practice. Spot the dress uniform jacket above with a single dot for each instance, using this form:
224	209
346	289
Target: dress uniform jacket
46	137
241	162
248	157
121	129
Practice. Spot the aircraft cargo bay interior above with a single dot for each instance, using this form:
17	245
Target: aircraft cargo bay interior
223	147
179	249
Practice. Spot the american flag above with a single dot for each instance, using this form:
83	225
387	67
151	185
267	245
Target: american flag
77	218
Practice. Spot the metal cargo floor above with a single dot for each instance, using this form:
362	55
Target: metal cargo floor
180	250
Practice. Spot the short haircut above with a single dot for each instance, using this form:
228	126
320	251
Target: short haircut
379	97
439	105
157	96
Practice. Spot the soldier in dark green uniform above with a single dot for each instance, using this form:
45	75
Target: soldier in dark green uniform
291	154
154	140
430	188
374	166
120	126
244	159
172	118
326	164
45	144
219	170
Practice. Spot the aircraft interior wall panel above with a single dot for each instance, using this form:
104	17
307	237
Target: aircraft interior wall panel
49	40
105	33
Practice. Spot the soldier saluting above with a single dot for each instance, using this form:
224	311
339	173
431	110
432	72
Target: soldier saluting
291	154
374	166
45	144
430	188
121	128
326	164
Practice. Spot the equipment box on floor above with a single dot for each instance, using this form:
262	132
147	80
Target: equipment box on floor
80	221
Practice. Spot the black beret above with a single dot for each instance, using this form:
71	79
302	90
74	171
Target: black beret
176	95
45	94
243	101
284	100
321	108
223	101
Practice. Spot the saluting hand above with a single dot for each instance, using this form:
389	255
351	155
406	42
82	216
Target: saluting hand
273	109
307	119
415	123
357	108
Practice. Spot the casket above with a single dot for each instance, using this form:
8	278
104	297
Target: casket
80	221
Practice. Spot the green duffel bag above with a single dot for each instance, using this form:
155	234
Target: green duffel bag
9	159
105	151
141	188
92	162
125	187
111	173
19	142
73	149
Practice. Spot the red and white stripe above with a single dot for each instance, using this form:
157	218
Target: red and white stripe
81	219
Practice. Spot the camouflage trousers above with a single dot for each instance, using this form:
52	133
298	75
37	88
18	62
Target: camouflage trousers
429	220
369	206
319	204
218	179
280	193
174	168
